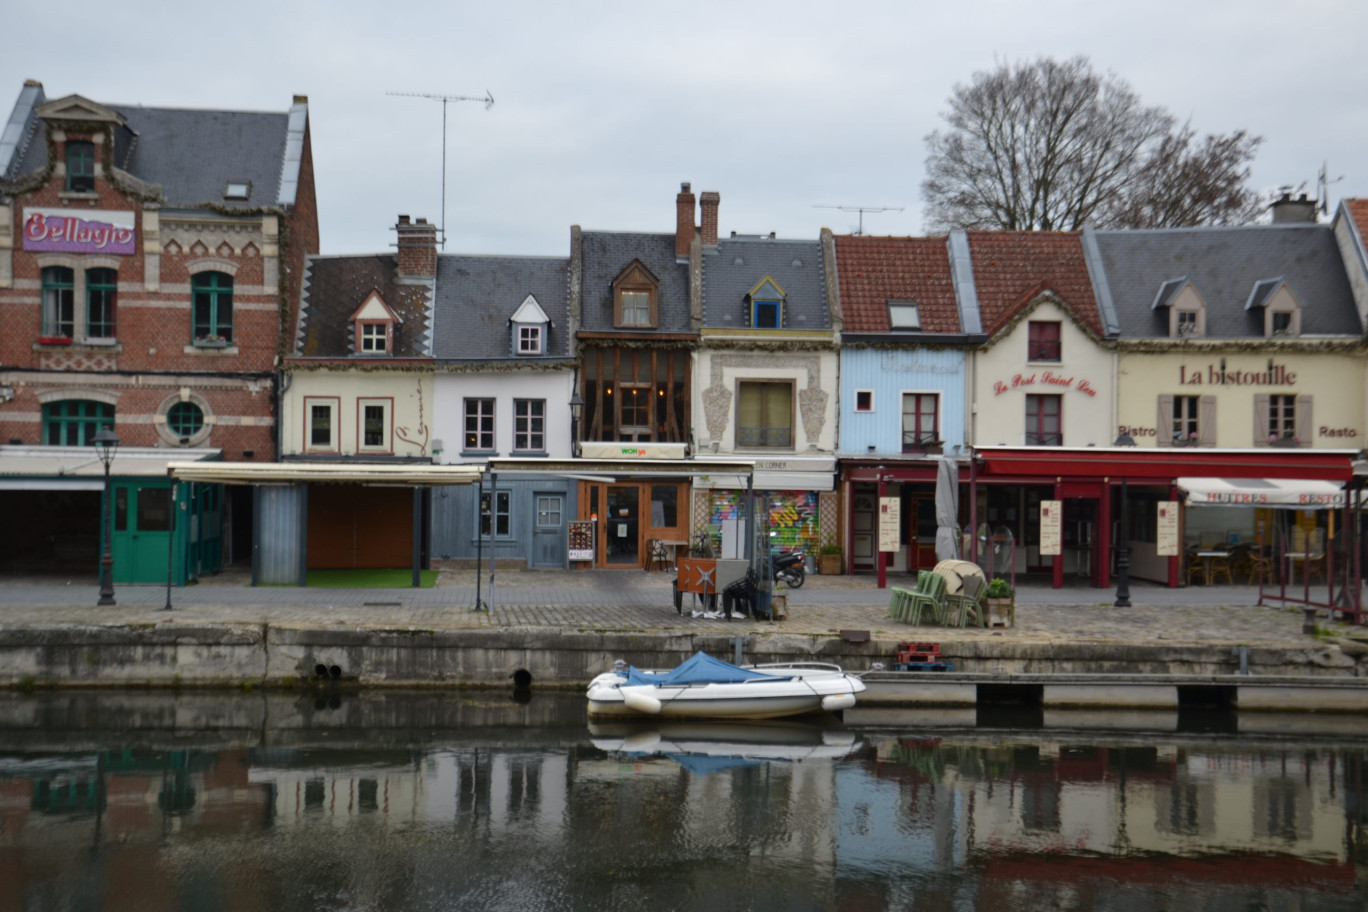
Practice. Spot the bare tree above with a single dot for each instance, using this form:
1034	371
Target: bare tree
1050	146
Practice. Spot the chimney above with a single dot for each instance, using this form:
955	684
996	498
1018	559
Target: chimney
709	200
417	249
684	220
1296	211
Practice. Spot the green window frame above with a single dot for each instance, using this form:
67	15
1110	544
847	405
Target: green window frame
75	422
212	294
59	302
80	166
185	419
102	293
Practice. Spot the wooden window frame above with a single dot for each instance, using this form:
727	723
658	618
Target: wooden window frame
636	279
334	406
1039	347
386	404
922	440
1038	416
791	443
365	333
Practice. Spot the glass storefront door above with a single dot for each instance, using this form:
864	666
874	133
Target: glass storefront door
621	525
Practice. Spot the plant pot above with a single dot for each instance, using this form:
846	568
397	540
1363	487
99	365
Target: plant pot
779	606
829	564
1001	612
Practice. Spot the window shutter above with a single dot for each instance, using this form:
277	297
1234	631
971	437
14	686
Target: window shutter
1306	428
1261	419
1164	434
1206	421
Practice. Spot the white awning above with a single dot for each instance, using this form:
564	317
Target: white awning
1289	493
258	473
771	481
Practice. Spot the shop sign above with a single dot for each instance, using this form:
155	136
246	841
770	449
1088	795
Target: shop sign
1048	379
83	231
890	522
1214	375
581	540
1166	529
600	450
1051	527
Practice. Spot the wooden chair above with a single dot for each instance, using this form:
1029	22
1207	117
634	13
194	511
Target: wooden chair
658	554
1220	565
1309	551
1194	566
966	603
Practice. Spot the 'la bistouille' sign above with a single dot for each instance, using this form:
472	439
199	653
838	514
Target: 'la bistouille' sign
83	231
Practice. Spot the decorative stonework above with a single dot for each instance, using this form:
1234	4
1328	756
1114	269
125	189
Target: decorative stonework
812	409
812	399
78	361
716	410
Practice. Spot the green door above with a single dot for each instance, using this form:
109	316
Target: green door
142	531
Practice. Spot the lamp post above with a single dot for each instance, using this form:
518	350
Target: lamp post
1123	553
106	445
576	410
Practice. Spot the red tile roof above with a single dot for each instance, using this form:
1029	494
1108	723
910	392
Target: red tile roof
1011	268
875	270
1358	212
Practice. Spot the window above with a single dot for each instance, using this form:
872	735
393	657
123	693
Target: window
529	340
1187	323
765	314
184	420
373	416
1183	425
75	422
102	289
479	424
80	166
864	400
764	415
549	508
1281	322
502	521
635	408
1282	418
320	434
58	303
1043	340
1042	421
920	421
634	297
212	294
375	337
636	308
664	506
237	190
529	425
903	316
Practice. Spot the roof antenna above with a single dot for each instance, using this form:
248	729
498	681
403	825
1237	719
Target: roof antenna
488	100
862	210
1323	183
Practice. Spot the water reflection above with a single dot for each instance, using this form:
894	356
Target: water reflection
458	801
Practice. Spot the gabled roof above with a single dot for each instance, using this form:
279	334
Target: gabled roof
191	155
742	264
605	254
336	286
1013	268
529	311
1228	268
876	270
477	296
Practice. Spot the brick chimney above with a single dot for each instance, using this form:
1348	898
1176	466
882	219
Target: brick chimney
1289	210
709	201
684	220
417	249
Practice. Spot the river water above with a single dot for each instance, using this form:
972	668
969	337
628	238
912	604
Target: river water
483	800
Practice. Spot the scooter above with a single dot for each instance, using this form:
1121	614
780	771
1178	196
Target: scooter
789	570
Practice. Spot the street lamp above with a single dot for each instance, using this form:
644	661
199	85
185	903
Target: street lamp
106	445
576	410
1123	553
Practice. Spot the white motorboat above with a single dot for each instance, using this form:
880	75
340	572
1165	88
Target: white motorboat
706	688
705	745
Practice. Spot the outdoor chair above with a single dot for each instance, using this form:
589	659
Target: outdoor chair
1194	566
899	596
658	554
929	595
966	603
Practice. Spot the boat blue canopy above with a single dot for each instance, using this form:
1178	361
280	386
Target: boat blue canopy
699	668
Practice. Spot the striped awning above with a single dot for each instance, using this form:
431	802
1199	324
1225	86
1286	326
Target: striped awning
1288	493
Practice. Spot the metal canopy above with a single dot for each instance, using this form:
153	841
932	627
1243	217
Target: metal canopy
265	473
655	468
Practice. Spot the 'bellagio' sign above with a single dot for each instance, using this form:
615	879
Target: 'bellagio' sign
86	231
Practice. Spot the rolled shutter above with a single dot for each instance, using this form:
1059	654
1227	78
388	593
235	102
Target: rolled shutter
1164	425
1206	421
1261	419
1306	428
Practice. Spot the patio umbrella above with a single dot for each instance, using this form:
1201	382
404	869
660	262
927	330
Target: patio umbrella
947	509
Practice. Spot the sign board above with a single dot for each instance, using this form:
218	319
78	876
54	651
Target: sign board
79	231
632	451
1166	528
1051	527
890	523
581	533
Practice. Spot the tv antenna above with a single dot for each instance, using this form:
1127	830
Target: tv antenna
488	100
862	210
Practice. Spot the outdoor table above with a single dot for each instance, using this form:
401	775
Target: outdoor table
1208	559
674	547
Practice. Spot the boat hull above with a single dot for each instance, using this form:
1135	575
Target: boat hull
611	697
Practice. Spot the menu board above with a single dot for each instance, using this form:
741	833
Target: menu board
1166	529
581	533
1051	527
890	521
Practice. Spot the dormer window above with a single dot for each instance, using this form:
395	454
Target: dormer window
1186	308
237	190
766	305
80	166
635	293
1185	321
529	340
904	316
1281	307
373	326
530	325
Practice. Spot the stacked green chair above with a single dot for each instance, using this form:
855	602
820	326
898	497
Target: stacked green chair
911	605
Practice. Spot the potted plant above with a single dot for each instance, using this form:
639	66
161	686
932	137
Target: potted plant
1000	603
829	557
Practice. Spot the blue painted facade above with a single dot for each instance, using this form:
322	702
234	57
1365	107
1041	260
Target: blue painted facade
889	373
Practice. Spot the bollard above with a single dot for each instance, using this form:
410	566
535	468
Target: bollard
1243	653
737	643
1309	620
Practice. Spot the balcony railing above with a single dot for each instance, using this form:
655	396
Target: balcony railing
764	436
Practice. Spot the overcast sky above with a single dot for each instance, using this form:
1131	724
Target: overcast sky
603	109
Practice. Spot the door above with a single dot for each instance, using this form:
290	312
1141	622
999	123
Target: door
548	531
142	531
621	526
920	533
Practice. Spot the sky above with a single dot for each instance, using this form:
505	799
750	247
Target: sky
602	109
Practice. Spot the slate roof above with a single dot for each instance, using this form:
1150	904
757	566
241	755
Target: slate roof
190	154
1224	265
742	263
1012	268
606	254
476	296
336	285
875	270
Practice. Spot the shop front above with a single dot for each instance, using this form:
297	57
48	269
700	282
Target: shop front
911	481
799	495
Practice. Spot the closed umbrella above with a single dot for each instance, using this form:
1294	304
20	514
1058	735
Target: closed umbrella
947	509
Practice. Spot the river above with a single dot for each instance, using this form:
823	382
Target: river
491	801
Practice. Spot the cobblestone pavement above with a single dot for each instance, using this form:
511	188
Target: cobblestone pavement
634	600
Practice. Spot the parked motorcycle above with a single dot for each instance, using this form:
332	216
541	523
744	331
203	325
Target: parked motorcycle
789	569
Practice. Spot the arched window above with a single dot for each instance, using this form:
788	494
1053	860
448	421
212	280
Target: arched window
58	302
212	293
75	422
